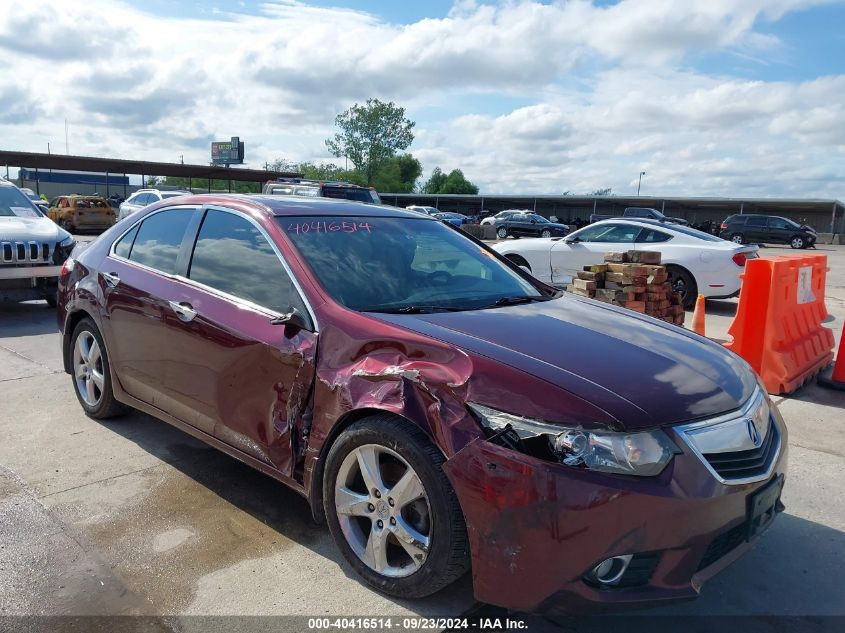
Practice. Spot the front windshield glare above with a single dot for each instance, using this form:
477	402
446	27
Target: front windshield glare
375	264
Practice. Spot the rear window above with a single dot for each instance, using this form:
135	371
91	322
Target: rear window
352	193
695	233
159	239
173	194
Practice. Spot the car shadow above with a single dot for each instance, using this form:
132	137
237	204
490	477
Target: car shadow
267	500
787	582
29	318
813	393
721	307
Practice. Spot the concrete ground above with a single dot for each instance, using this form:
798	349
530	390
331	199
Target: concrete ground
132	516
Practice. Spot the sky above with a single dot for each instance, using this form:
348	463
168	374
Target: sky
707	97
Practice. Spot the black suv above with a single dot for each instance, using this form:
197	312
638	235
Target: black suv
320	189
528	225
760	229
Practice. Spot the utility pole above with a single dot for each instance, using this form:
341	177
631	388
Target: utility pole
67	145
642	173
182	158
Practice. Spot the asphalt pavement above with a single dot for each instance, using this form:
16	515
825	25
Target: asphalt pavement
132	516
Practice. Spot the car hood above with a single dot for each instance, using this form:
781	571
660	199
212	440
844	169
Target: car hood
640	371
41	229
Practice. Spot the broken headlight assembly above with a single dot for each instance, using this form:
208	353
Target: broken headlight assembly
643	453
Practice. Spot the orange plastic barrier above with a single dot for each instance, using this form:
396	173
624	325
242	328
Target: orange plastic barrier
835	378
778	323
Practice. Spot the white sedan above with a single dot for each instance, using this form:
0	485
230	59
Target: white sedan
697	262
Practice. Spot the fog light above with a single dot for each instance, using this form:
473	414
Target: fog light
608	572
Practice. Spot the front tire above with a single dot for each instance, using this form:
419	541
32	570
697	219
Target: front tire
546	233
91	372
392	511
798	242
501	233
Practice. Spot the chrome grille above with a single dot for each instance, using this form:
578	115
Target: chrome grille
25	252
749	463
739	447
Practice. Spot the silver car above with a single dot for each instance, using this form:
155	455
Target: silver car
145	197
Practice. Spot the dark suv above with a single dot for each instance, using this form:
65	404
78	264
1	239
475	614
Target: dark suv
761	229
321	189
528	225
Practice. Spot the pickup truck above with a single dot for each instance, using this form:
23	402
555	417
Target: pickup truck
32	248
640	212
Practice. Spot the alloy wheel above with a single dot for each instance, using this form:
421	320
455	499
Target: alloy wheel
383	510
502	233
797	242
737	239
88	368
546	233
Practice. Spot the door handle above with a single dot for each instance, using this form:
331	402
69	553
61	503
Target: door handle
112	279
183	310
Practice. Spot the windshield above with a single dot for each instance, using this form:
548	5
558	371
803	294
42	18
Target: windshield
15	203
374	264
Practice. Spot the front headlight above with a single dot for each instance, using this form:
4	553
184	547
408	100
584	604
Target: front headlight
645	453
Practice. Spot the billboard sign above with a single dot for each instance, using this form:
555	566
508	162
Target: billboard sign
228	152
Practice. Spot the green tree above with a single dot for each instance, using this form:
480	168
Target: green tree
455	182
434	182
398	174
370	134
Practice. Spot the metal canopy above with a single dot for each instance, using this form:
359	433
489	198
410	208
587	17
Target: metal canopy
141	167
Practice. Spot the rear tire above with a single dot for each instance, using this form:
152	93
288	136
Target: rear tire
683	282
367	529
797	242
91	373
737	238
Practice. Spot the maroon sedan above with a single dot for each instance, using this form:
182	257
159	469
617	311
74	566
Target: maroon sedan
433	402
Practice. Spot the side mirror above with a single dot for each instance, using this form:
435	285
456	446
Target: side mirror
533	221
571	240
293	319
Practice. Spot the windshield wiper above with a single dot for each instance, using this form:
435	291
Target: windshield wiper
512	301
421	309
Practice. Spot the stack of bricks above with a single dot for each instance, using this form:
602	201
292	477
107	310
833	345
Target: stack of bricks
633	280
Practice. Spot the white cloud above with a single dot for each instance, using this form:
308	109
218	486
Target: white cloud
608	88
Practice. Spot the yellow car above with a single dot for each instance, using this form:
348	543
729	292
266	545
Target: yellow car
81	213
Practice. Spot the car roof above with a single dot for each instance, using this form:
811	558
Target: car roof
296	205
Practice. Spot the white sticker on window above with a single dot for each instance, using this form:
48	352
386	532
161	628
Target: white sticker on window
24	212
805	285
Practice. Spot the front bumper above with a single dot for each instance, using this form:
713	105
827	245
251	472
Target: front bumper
535	527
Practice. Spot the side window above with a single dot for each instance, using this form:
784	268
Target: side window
159	239
637	213
233	256
124	245
756	221
778	223
617	233
650	235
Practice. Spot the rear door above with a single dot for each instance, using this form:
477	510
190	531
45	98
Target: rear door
757	229
138	277
233	373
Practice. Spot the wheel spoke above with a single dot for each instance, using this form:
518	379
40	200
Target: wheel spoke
375	555
93	353
411	541
82	348
89	391
97	378
407	489
351	503
370	471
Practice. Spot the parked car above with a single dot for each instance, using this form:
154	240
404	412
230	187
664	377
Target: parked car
32	248
431	400
696	262
320	189
642	213
503	215
767	229
457	219
422	209
145	197
115	200
81	213
35	198
528	225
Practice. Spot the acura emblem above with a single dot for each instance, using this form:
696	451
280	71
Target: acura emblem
753	433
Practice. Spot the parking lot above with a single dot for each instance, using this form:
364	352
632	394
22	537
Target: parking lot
132	516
